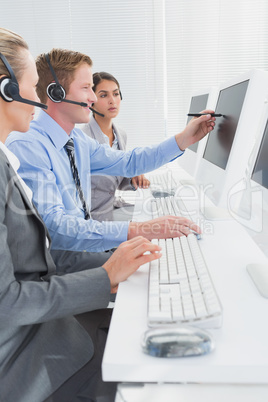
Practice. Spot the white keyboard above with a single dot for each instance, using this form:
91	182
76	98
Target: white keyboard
164	181
181	290
170	205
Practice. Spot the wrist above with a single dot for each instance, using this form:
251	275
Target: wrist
109	269
133	230
181	141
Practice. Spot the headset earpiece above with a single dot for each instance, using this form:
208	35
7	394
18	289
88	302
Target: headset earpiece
9	89
56	92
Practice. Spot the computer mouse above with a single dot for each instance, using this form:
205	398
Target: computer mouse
182	341
162	193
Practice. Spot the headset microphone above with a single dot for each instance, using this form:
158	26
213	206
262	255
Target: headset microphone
9	88
94	111
83	104
56	92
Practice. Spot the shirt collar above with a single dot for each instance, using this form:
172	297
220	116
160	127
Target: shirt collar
13	160
115	141
96	128
53	130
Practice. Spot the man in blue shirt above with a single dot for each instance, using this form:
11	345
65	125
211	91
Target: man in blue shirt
45	167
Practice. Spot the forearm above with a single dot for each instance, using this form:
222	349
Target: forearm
32	302
137	161
145	229
75	233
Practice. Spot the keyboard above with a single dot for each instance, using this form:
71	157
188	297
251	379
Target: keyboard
164	181
181	290
168	205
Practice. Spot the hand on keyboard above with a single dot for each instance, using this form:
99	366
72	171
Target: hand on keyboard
128	257
163	227
180	287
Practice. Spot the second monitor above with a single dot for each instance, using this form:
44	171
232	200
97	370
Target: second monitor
225	158
200	100
253	211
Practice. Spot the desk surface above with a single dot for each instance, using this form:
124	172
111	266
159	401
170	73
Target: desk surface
191	392
241	352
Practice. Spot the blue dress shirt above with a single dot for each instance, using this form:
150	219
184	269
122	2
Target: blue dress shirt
45	167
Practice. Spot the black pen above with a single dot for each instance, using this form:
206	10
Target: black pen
204	114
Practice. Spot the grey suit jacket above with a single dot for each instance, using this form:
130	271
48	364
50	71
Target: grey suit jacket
103	188
41	344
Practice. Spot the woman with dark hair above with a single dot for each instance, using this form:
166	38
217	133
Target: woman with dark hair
105	204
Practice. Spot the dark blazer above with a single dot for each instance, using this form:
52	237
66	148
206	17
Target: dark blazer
41	343
103	188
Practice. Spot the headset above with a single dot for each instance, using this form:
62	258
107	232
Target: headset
56	92
9	87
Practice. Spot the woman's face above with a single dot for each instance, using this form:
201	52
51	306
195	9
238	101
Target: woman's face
19	115
108	98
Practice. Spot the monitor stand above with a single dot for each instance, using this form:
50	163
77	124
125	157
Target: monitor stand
187	182
213	213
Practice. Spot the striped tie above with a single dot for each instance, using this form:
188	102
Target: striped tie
69	146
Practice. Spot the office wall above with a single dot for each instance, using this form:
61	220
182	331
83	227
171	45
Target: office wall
159	50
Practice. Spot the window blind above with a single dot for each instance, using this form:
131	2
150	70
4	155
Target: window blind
209	43
123	37
159	50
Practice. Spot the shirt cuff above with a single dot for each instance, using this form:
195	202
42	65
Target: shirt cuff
115	234
171	148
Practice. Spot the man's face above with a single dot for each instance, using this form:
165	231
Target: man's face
80	91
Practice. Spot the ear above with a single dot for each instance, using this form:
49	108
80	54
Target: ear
8	89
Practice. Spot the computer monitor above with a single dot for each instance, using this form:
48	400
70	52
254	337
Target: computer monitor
253	211
241	100
198	103
260	170
200	100
230	103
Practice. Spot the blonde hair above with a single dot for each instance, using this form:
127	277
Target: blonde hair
64	63
11	45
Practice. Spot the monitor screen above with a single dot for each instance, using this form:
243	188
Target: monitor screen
198	103
219	143
260	171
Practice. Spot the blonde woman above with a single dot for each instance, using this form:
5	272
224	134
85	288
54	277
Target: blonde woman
52	328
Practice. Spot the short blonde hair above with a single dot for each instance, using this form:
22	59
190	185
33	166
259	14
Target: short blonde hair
11	45
64	63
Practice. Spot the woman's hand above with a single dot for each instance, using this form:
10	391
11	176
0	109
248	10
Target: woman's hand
140	181
128	257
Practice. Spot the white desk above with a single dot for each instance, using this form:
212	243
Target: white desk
241	353
191	393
